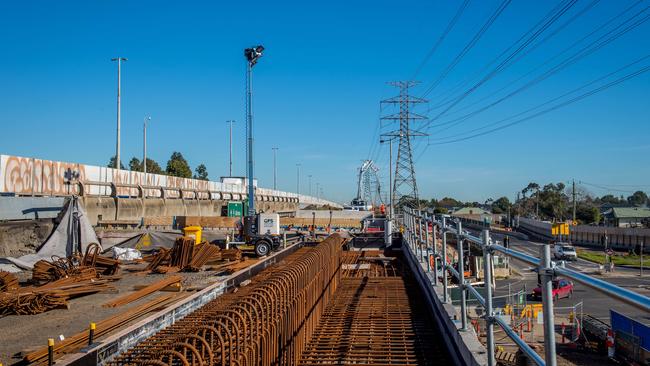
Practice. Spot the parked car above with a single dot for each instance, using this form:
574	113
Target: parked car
565	252
561	288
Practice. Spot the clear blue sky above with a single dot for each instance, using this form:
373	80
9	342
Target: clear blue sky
317	89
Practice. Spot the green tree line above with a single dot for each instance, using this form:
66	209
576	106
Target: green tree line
553	201
176	166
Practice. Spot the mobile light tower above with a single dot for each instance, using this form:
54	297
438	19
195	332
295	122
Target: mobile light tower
252	55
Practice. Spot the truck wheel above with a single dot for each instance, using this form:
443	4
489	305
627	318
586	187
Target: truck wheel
262	248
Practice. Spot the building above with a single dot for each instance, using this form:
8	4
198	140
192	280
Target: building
627	217
474	213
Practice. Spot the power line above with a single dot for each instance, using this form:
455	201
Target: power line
505	63
528	51
549	101
582	53
548	15
442	37
608	187
563	104
504	4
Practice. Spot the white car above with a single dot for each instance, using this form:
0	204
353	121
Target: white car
565	251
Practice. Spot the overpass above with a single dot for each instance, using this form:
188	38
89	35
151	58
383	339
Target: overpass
109	194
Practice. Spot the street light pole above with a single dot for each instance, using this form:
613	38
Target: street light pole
275	168
144	147
298	178
230	149
119	96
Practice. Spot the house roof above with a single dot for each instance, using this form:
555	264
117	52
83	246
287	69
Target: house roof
471	211
630	212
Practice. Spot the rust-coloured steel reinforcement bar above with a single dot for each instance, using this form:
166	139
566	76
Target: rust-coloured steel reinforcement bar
376	317
267	322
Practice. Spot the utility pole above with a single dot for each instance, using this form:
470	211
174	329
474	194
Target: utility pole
298	178
252	56
144	148
230	122
405	187
574	200
119	96
317	192
275	169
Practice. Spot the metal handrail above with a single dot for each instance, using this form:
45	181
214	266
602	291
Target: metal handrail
545	267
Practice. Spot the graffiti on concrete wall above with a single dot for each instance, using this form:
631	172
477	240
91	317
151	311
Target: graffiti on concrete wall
29	176
26	176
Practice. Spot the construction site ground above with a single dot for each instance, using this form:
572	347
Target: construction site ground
21	334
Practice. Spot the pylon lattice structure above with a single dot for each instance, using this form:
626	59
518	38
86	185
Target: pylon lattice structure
368	186
405	188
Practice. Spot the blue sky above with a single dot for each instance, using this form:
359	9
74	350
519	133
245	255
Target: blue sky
317	89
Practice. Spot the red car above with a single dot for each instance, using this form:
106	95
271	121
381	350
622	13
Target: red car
561	288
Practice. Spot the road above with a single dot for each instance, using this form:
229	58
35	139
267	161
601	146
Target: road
594	302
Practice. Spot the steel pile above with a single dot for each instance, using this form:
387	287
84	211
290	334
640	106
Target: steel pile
186	256
36	300
143	292
269	321
8	282
79	340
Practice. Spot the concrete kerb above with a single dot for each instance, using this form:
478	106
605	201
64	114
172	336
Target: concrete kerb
105	350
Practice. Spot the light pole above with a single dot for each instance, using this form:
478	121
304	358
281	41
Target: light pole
390	172
275	169
119	95
144	147
252	55
298	178
230	149
317	192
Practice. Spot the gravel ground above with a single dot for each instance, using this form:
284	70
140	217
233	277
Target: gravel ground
30	332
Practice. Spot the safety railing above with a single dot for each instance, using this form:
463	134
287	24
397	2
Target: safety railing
416	235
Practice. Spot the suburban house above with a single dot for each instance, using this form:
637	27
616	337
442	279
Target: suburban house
627	217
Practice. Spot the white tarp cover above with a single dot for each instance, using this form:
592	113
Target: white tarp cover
71	236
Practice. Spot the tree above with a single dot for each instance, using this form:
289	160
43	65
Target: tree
177	166
153	167
638	198
135	165
111	163
201	172
610	199
501	205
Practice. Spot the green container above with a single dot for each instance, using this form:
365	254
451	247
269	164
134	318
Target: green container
235	209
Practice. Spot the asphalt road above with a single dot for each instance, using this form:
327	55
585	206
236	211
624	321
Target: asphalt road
594	302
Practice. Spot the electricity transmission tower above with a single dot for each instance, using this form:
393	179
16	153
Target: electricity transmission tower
405	188
368	187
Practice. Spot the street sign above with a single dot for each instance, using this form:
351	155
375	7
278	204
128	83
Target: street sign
609	251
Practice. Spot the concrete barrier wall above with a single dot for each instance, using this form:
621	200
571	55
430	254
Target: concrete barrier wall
37	177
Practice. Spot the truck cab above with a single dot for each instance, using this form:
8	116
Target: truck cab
565	251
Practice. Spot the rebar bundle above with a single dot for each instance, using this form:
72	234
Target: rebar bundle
266	322
8	282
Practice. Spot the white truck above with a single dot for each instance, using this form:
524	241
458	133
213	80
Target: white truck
564	251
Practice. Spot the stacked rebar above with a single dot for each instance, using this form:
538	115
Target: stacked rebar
8	282
266	322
